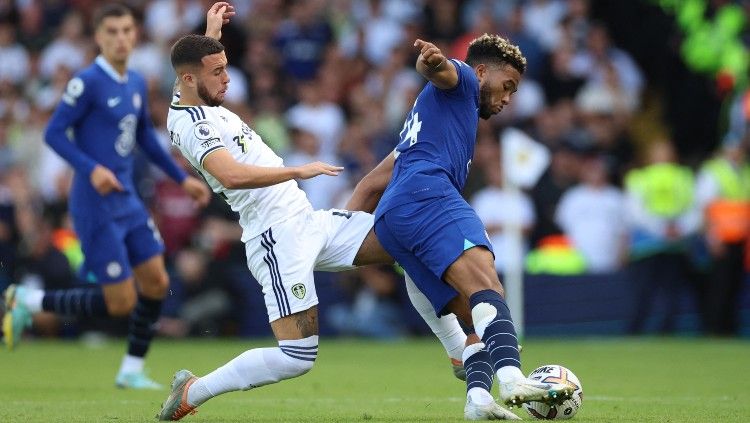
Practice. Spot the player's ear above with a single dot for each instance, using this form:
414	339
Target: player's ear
481	71
188	79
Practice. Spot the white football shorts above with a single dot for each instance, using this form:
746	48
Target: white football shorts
283	258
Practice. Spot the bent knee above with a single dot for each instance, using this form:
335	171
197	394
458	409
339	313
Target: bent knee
157	286
120	306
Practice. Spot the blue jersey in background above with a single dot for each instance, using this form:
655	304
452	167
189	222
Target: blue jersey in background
101	117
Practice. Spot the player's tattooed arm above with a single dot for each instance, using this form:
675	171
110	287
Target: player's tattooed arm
216	17
433	65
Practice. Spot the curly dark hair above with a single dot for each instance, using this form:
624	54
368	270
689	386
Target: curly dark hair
491	48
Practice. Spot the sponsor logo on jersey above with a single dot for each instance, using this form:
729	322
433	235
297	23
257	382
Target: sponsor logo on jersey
137	101
209	143
299	290
175	138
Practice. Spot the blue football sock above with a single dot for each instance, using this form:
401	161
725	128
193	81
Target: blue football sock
479	372
142	325
80	302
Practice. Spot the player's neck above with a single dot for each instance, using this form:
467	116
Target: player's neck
121	67
188	98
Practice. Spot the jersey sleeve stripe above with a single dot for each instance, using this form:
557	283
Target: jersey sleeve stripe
207	152
203	113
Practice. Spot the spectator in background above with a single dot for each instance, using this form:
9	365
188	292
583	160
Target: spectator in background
375	310
563	173
302	40
723	194
323	190
14	59
593	62
323	119
591	214
166	19
500	209
68	50
662	216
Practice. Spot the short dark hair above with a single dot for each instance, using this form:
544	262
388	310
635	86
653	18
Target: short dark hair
108	11
496	50
191	49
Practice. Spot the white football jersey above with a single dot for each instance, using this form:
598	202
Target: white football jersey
200	130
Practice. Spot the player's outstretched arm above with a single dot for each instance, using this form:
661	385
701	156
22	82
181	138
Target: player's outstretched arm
369	190
234	175
216	17
434	66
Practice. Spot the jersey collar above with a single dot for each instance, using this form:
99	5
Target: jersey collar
109	70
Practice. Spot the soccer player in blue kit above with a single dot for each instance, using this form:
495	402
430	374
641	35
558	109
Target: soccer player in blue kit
102	115
424	223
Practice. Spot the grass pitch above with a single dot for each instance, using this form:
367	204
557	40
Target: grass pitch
624	380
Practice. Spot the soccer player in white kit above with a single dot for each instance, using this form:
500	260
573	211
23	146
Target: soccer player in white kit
285	239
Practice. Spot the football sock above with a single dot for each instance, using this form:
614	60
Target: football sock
82	302
255	368
142	325
446	328
494	326
131	364
479	373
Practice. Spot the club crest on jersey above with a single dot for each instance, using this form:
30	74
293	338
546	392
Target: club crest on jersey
204	131
137	101
299	290
73	91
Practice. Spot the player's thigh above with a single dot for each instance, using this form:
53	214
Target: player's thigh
435	289
350	242
372	252
282	260
474	271
301	324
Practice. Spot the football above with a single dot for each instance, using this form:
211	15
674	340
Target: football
556	374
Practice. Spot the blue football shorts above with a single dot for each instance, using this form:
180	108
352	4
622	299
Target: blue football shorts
427	236
112	247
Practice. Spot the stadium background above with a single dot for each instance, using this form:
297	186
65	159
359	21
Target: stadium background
332	81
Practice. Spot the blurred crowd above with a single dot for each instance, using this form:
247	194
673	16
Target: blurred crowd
645	172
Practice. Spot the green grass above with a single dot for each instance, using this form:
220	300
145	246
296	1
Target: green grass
624	380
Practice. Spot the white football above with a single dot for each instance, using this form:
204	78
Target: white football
554	373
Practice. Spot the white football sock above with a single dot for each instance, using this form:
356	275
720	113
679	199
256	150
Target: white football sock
255	368
131	364
508	374
33	300
446	328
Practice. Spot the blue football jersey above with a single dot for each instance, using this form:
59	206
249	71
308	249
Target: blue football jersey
436	143
100	119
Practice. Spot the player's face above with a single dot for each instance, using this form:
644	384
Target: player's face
116	37
213	79
496	85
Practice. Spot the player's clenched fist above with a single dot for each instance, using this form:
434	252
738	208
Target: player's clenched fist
311	170
429	54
